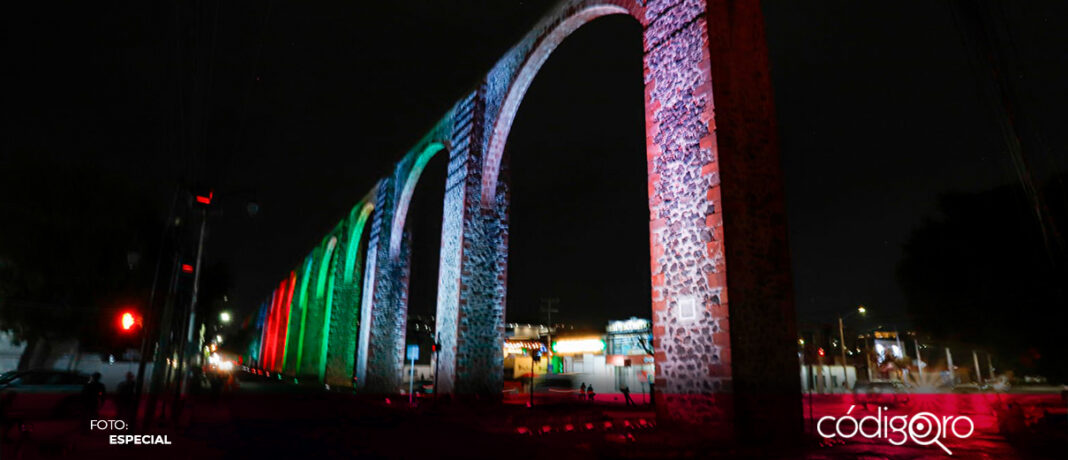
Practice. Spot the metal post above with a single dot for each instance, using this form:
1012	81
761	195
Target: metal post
437	358
841	336
919	359
949	365
990	365
188	330
978	375
411	380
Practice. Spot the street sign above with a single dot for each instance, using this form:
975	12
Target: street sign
413	352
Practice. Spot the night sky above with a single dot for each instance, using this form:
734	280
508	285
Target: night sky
302	107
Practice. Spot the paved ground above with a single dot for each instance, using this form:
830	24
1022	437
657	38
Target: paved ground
269	421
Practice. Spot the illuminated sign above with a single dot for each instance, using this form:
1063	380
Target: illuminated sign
518	347
590	345
630	325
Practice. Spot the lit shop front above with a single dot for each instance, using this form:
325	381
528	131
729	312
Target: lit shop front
518	358
630	353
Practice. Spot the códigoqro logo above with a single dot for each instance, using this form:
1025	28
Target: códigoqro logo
923	428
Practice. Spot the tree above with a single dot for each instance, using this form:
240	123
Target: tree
981	274
75	244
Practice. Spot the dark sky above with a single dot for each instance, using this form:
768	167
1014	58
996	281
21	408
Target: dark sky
302	107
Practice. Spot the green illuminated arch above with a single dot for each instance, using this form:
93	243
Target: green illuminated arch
353	247
303	304
325	281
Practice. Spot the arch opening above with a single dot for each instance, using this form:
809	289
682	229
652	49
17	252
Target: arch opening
424	227
578	230
410	183
517	92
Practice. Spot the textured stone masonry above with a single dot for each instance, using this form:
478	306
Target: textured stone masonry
715	200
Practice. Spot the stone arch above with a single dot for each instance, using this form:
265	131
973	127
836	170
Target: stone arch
297	328
360	216
324	292
400	215
573	18
347	302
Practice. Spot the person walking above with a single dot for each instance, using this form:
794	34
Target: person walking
93	396
589	393
582	391
126	398
626	394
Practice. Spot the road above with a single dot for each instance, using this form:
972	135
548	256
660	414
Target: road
267	419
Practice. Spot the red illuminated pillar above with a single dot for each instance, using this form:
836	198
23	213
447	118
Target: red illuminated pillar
268	332
285	297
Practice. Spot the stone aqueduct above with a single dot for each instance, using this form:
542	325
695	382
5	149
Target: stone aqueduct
724	343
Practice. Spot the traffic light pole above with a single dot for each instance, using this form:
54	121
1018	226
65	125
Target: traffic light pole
437	358
160	364
187	336
148	330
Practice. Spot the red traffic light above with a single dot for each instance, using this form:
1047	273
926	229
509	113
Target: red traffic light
206	199
187	268
820	351
129	320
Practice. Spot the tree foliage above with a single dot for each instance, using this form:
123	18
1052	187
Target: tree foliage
982	274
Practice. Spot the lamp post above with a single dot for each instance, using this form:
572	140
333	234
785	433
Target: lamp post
841	338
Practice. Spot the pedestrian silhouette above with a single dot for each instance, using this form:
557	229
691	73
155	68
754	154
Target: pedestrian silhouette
626	394
589	392
93	396
582	391
126	398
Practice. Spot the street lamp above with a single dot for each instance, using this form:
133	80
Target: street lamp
225	317
841	338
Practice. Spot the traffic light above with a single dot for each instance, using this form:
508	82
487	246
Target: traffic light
129	321
820	351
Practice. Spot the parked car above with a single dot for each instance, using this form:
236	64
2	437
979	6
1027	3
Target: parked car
880	393
41	394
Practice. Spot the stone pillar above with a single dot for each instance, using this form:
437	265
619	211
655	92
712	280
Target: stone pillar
343	323
472	280
763	319
716	201
381	354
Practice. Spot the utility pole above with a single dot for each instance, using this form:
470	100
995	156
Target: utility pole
187	340
549	310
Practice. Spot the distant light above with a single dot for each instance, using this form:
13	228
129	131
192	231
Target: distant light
862	310
187	268
820	351
218	339
800	341
206	199
226	366
225	317
590	345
